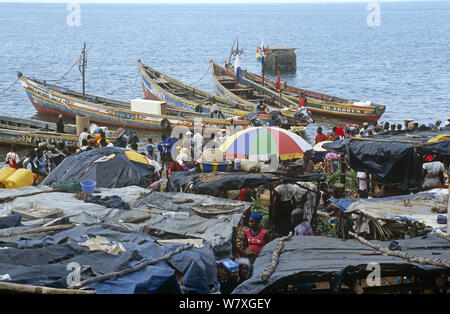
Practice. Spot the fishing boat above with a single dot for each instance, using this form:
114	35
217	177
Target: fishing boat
9	122
322	105
250	93
29	132
53	100
159	86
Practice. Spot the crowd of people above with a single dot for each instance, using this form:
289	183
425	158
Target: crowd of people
45	157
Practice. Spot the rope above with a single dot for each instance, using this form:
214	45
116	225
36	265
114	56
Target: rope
9	86
70	69
202	76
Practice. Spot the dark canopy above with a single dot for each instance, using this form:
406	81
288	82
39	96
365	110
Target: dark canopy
392	162
116	172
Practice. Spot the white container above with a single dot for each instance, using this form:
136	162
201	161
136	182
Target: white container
147	106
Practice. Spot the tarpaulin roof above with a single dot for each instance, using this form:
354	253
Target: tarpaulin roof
394	163
312	259
392	156
108	166
218	182
43	262
214	224
213	220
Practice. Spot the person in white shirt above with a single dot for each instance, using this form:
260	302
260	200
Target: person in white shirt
433	172
83	136
362	184
198	144
12	158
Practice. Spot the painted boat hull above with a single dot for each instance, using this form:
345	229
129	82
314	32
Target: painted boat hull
29	139
51	100
152	90
340	108
224	92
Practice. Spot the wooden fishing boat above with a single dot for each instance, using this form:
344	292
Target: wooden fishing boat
53	100
322	105
159	86
25	137
250	93
23	124
29	132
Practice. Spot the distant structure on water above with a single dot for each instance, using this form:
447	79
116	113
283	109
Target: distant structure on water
281	59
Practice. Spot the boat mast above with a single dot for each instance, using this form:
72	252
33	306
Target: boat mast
82	67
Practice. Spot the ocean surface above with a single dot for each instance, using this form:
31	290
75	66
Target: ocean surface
404	63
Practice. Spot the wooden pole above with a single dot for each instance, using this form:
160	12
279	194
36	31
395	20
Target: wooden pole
448	209
132	269
6	286
275	258
281	100
408	256
38	230
83	72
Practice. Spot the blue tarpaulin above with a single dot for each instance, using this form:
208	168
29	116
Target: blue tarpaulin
43	262
344	203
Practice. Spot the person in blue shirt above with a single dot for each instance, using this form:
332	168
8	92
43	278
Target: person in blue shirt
165	146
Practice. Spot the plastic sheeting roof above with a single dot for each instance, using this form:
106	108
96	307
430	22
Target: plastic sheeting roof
311	257
44	261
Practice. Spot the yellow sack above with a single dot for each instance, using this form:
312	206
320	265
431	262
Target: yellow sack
20	178
5	173
134	156
439	138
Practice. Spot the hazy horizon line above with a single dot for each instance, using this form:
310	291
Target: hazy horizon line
208	1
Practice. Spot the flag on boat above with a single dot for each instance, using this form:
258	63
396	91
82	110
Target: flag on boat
278	84
237	67
258	54
262	52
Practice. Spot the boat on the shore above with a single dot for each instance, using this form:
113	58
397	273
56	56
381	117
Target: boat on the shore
54	100
323	105
250	93
10	122
159	86
29	132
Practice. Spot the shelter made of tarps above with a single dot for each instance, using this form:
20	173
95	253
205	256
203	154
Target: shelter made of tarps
417	208
394	163
109	167
44	261
216	183
393	156
210	218
307	259
76	210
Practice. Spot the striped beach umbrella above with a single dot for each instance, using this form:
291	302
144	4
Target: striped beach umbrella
263	142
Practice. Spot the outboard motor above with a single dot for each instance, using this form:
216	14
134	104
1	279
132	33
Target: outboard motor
126	137
255	121
278	119
304	114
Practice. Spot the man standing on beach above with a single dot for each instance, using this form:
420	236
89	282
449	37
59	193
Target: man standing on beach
83	136
60	124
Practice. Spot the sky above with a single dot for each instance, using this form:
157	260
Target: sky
203	1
